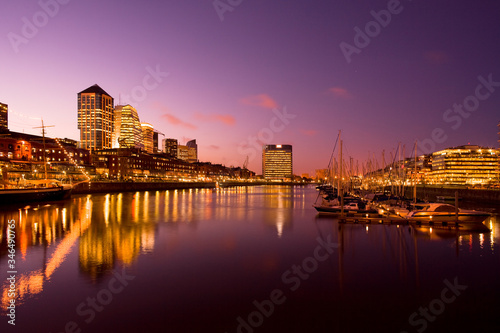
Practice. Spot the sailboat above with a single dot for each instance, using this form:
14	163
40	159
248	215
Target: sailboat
38	190
333	200
51	192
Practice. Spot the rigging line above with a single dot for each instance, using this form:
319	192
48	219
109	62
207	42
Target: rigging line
412	150
411	155
347	167
333	152
392	164
21	115
395	155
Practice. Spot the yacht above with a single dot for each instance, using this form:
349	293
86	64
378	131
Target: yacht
441	212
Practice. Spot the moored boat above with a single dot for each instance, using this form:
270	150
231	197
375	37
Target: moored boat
440	212
349	208
17	195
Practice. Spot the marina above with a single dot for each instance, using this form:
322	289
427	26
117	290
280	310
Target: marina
250	166
207	255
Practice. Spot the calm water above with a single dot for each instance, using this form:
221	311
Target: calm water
246	259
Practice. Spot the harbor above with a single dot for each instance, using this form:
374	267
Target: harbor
233	166
211	255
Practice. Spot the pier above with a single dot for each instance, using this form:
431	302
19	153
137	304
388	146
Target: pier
357	218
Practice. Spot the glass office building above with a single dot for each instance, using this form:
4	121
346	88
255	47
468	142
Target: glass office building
95	118
277	162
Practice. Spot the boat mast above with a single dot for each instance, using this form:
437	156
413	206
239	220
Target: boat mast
399	170
340	165
415	178
44	152
403	172
340	183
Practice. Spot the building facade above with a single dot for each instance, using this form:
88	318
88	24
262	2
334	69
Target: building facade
157	148
95	118
193	151
147	137
129	162
4	117
182	152
170	147
466	165
127	128
277	162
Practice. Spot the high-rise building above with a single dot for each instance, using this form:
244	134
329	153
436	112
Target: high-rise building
186	153
182	152
193	152
147	137
128	131
170	147
155	141
465	165
4	117
277	162
95	118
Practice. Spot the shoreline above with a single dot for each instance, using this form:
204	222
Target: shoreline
116	187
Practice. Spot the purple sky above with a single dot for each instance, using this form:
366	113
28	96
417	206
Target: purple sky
225	77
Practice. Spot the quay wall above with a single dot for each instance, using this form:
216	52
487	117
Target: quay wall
431	192
110	187
258	183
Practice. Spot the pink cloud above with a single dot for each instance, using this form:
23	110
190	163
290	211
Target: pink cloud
340	92
171	119
213	147
223	118
262	100
436	57
308	132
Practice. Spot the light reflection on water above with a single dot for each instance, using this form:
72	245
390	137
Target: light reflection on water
233	244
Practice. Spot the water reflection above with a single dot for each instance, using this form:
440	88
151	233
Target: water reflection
114	229
402	248
232	246
41	227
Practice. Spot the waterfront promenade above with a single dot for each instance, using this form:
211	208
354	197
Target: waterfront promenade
430	192
427	192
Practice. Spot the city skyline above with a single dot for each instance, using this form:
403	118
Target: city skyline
293	73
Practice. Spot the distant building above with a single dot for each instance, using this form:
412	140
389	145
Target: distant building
193	152
147	137
13	148
186	153
156	135
128	131
129	162
182	152
322	175
466	165
170	147
29	148
277	162
498	134
95	118
4	117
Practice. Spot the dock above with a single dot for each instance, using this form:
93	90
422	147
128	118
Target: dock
358	218
361	219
